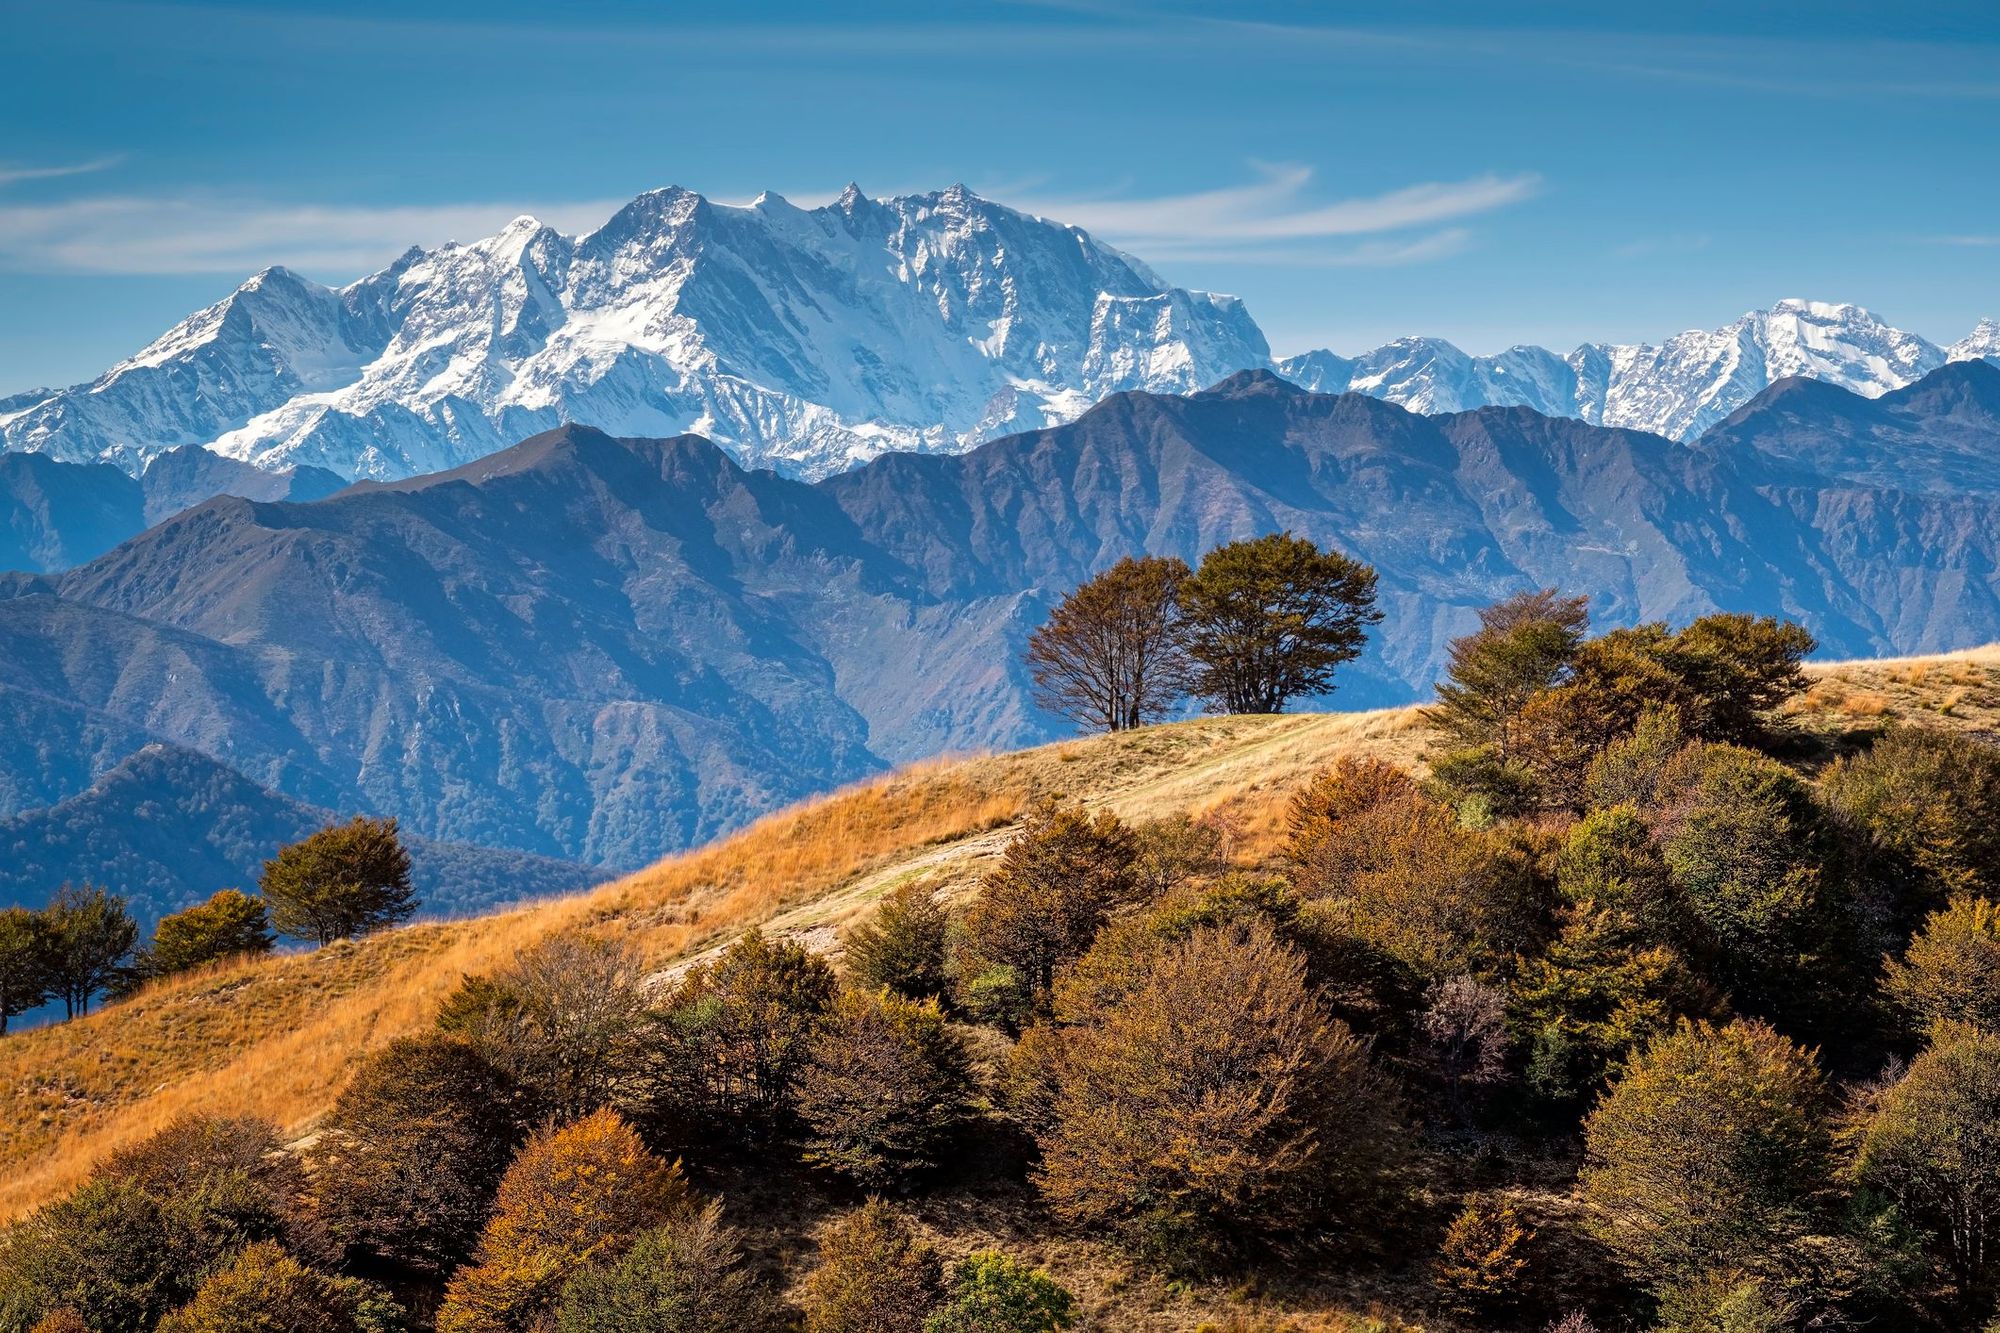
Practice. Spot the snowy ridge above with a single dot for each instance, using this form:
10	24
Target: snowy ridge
810	340
807	340
1679	388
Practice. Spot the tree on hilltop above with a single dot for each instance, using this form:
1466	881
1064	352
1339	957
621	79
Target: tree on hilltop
228	924
1268	620
89	936
1109	655
24	962
345	880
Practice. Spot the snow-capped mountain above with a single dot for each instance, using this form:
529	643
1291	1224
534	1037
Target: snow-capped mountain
1679	388
807	340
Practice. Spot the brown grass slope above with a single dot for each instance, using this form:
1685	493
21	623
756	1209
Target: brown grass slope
278	1037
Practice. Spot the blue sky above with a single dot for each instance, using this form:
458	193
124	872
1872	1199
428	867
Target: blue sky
1491	174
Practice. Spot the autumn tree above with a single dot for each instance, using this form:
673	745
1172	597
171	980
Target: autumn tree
1707	1154
1602	990
1746	846
1483	1257
993	1293
874	1275
1174	851
1217	1106
1933	1145
733	1038
903	944
1405	874
886	1086
1109	655
1929	801
1271	619
1522	647
406	1163
24	963
1951	970
265	1290
686	1275
1345	789
237	1159
575	1196
345	880
120	1255
89	935
1740	669
567	1018
229	924
1057	882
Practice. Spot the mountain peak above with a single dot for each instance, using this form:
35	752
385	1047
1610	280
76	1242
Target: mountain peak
801	341
1252	384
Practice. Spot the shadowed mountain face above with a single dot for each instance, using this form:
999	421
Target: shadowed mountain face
167	827
56	515
602	649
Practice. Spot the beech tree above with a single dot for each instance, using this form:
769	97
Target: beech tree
993	1293
409	1157
575	1196
1109	655
347	879
229	923
90	934
263	1288
24	962
1215	1106
1706	1155
1057	882
902	945
1951	971
684	1276
1933	1145
1522	647
887	1084
1929	801
875	1275
734	1037
567	1019
1268	620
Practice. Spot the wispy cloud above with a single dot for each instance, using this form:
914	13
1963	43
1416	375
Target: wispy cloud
1966	240
10	173
221	234
1272	216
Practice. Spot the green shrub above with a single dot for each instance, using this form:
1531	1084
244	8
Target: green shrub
991	1293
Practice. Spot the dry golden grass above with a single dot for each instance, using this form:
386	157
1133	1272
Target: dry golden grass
1963	688
279	1037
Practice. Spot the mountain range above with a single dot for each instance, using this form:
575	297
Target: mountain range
811	340
599	649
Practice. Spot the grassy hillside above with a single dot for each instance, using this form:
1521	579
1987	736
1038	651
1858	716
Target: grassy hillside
279	1037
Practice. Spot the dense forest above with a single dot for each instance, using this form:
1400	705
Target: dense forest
1637	1008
